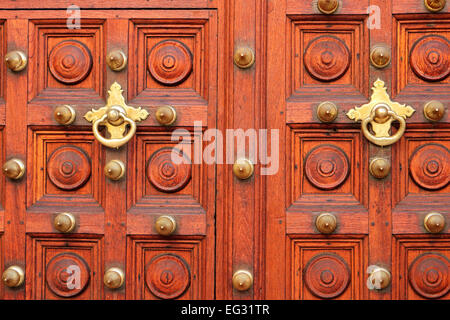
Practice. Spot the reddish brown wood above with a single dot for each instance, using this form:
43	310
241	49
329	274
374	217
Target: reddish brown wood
61	271
70	62
327	275
68	168
168	175
170	62
430	58
167	276
327	58
429	166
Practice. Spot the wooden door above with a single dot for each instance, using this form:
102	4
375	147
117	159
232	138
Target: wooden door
120	208
319	68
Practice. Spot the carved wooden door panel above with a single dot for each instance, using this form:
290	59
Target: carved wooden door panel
362	209
107	97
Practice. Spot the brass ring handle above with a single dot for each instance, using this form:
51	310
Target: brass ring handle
114	142
380	112
383	141
116	115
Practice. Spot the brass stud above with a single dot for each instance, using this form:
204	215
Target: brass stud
380	56
64	222
380	168
13	277
64	115
434	222
114	170
244	57
434	110
166	115
165	225
328	6
116	60
380	278
435	5
381	114
326	223
242	280
243	168
14	168
16	60
327	112
114	278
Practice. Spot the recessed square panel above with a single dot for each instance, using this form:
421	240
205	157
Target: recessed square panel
421	268
163	269
165	170
325	163
324	56
328	269
422	57
421	164
173	59
64	166
66	64
64	268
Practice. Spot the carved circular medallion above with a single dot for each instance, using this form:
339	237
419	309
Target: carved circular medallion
327	275
429	166
170	62
429	275
169	169
70	62
167	276
327	167
430	58
68	168
67	274
327	58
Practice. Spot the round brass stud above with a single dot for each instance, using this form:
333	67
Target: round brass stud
64	115
14	169
243	168
327	112
116	60
13	277
64	222
380	56
242	280
380	278
244	57
115	170
165	225
381	114
326	223
114	278
166	115
380	168
434	222
328	6
435	5
16	60
434	110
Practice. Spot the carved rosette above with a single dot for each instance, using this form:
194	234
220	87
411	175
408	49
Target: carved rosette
167	276
67	274
327	58
170	62
70	62
429	166
327	167
429	275
430	58
327	275
68	168
169	170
